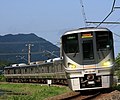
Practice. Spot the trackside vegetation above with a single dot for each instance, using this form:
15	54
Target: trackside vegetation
117	66
30	91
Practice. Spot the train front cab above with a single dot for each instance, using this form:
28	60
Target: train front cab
88	59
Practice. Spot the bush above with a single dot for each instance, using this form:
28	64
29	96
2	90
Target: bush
116	87
2	78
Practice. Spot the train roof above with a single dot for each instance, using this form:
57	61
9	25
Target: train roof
86	29
33	65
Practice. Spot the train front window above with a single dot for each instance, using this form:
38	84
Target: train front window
88	53
104	40
70	43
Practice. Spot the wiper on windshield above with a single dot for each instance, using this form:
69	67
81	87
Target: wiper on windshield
76	51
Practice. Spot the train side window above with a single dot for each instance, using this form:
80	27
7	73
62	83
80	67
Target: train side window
31	70
42	69
19	71
8	71
70	43
36	70
25	70
14	71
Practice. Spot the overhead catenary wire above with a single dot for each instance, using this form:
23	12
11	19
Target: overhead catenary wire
35	42
116	34
116	7
108	14
21	53
115	25
102	22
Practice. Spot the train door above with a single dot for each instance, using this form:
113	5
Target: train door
88	48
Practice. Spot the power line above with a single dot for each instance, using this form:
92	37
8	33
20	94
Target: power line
115	25
23	53
22	42
103	22
116	7
19	53
116	34
108	14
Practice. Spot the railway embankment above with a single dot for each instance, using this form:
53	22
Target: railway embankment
21	91
113	95
104	94
24	91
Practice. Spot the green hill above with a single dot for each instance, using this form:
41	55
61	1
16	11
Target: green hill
13	48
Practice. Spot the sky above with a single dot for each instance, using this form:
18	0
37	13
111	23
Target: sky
49	19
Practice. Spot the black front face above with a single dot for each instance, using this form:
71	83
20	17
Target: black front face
87	47
90	81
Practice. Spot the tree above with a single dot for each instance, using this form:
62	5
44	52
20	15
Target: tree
117	65
117	62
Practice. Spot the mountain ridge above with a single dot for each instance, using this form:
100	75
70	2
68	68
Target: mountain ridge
12	46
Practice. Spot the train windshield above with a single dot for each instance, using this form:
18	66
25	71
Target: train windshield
103	40
70	43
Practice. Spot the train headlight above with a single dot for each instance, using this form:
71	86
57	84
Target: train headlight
107	63
71	65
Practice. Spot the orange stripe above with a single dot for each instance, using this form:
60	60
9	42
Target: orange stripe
89	67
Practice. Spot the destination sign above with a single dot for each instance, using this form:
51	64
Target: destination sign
87	35
71	37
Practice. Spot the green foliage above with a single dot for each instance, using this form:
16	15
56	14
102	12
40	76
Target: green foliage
2	78
117	62
33	91
117	65
118	73
116	87
4	63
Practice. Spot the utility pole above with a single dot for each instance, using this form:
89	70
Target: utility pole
83	13
29	52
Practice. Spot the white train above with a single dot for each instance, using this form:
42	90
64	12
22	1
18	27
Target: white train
37	72
88	58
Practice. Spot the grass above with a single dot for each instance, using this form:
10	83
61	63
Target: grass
34	91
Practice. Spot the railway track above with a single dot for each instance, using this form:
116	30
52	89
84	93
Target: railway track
89	95
75	96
